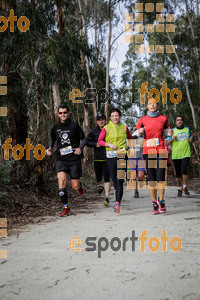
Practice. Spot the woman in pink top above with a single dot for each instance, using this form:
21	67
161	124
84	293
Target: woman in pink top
113	136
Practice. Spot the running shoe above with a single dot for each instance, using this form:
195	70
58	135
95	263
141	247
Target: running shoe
186	191
81	190
101	189
116	207
179	193
65	212
162	207
106	201
137	194
155	208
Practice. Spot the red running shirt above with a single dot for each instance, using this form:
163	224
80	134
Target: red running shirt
153	129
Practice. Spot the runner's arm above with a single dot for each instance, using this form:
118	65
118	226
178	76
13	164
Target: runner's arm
101	138
139	129
167	130
52	142
170	140
90	140
139	124
101	141
136	134
129	136
83	143
78	150
53	138
82	137
190	136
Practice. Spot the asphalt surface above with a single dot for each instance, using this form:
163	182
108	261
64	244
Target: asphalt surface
41	265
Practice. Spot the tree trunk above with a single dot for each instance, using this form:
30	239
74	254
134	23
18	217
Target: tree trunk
55	86
95	40
40	181
56	97
197	8
60	17
108	60
186	85
78	117
196	52
92	88
85	109
82	24
18	123
33	4
18	109
3	4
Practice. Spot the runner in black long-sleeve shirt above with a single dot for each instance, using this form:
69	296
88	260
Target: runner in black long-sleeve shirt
69	153
100	166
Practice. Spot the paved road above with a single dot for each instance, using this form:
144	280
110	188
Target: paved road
41	265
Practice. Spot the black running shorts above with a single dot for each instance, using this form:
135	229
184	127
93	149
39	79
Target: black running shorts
72	168
156	173
101	170
181	166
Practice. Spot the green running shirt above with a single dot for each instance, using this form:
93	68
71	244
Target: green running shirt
181	145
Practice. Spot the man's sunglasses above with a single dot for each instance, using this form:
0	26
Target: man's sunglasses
64	112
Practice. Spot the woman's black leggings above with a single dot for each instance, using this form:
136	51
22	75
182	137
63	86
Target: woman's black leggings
118	183
155	167
181	164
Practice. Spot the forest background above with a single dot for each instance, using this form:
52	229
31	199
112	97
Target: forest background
69	45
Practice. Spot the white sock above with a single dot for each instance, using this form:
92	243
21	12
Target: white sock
184	186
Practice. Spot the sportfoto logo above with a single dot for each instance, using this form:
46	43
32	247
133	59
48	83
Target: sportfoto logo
23	23
3	92
164	23
102	244
18	151
119	96
3	233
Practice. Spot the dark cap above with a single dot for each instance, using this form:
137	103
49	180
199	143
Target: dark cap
100	116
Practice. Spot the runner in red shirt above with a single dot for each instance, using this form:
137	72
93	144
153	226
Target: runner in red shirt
154	154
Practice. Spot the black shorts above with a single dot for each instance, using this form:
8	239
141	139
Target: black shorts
101	170
181	166
72	168
156	173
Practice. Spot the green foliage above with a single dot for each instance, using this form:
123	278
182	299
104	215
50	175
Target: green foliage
5	171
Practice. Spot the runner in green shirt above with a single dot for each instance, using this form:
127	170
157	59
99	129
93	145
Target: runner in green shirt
181	153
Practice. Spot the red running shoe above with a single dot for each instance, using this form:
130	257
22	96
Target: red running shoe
65	212
80	191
